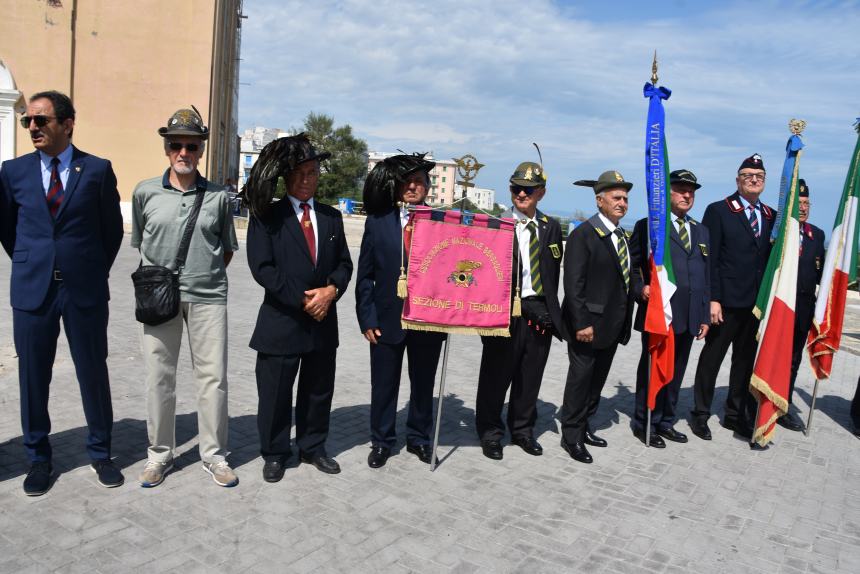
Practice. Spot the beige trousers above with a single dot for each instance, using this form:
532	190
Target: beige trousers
207	339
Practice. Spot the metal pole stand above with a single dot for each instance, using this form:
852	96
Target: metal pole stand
808	428
433	461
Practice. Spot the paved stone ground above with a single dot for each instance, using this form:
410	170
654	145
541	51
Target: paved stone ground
700	507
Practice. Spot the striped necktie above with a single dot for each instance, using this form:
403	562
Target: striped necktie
623	259
682	231
534	258
55	188
754	221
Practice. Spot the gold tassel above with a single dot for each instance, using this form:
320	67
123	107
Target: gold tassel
401	284
517	306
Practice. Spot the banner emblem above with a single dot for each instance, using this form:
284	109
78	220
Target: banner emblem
462	275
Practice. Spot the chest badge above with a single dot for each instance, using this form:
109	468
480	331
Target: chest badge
556	252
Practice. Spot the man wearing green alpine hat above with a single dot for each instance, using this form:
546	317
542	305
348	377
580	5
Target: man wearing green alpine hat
517	362
597	309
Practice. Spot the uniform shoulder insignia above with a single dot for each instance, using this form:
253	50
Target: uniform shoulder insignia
544	218
600	232
734	205
767	211
692	221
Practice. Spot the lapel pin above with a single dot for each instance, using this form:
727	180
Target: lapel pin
78	168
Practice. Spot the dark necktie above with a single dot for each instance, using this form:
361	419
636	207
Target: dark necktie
622	256
682	231
55	188
308	230
754	221
534	258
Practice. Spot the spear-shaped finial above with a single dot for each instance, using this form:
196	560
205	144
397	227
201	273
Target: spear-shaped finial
796	126
654	70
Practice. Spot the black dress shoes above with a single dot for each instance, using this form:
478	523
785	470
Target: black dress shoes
654	440
109	475
700	429
38	480
378	456
273	469
672	435
492	449
757	446
322	462
790	421
577	451
528	444
592	439
424	452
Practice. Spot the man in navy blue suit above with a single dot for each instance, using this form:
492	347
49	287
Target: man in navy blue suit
688	247
402	179
62	227
739	226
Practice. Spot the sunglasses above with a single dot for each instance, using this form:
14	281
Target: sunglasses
40	121
516	189
176	146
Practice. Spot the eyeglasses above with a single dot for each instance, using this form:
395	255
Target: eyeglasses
516	189
176	146
40	120
751	176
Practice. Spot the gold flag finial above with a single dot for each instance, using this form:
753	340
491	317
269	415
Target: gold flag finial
654	70
796	126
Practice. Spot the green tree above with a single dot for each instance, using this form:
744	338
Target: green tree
343	173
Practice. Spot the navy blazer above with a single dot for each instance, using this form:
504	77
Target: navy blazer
738	258
81	242
594	291
280	261
811	263
691	303
376	302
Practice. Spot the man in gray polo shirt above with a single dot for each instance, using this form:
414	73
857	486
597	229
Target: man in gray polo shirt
160	209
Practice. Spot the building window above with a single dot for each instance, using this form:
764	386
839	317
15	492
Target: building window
444	168
443	179
442	201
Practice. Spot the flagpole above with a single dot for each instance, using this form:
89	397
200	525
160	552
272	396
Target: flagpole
808	428
433	461
647	407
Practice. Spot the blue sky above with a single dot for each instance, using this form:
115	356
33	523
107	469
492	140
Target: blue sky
489	77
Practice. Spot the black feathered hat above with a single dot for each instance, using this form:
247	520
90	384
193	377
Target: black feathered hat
380	187
276	160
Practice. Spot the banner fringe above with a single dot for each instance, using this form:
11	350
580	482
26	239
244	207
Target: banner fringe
495	332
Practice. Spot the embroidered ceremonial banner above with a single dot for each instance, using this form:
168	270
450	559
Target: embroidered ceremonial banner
775	307
459	276
658	315
840	270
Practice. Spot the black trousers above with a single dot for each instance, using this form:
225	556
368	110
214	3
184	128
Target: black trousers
855	407
738	331
275	377
804	313
586	376
386	361
664	414
516	362
35	333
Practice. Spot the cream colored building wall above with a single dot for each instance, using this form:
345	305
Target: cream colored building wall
135	63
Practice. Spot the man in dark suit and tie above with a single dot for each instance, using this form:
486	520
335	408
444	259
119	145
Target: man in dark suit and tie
740	227
517	362
62	227
689	246
297	251
598	309
809	269
393	184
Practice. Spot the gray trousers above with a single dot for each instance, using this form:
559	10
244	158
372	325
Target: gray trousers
207	339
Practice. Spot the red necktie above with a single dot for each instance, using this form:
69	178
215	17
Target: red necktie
308	230
55	189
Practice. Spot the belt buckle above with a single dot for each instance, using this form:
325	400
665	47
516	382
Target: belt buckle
57	275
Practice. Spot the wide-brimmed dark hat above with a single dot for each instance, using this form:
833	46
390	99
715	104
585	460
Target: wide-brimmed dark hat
608	180
185	122
529	174
684	176
380	188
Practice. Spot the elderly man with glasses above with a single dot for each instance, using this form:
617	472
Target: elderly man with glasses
517	362
61	224
161	207
739	227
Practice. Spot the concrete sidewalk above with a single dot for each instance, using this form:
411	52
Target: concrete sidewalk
701	507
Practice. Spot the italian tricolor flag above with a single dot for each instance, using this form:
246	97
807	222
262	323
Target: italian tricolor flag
840	270
775	306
